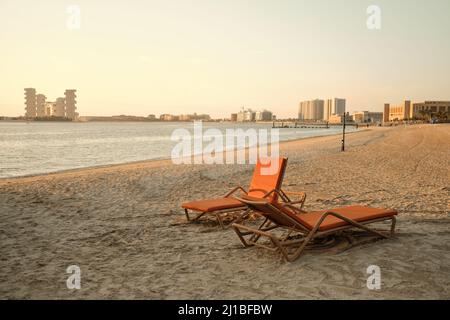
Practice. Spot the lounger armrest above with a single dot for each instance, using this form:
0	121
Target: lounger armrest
280	193
234	190
300	201
332	213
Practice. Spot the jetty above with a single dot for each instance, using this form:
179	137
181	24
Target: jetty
310	125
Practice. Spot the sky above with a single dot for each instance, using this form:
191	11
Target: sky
208	56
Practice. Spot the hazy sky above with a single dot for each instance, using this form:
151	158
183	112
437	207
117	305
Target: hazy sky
152	57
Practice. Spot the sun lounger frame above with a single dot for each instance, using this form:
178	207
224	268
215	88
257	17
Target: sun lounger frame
281	244
244	211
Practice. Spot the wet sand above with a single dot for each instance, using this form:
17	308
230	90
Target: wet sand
124	227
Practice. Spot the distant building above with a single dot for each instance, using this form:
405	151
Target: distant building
59	107
193	117
30	103
338	118
168	117
199	117
233	117
397	112
40	105
246	116
249	115
264	115
359	116
36	105
430	108
71	104
49	108
386	112
184	117
367	117
375	117
333	106
311	110
165	117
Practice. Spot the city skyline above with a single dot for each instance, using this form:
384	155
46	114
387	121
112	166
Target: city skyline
214	56
328	110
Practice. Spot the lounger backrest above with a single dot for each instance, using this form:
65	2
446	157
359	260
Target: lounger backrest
274	211
262	182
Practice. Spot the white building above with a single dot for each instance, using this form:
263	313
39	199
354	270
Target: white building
264	115
59	107
418	110
333	106
311	110
367	117
246	116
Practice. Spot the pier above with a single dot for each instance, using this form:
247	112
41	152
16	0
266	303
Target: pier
310	125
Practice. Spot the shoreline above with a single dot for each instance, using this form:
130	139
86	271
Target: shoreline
149	162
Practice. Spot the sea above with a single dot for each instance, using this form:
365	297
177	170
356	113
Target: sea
43	147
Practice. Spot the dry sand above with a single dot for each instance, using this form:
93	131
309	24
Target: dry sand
124	227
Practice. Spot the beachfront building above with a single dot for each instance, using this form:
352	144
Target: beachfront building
311	110
386	112
37	105
59	107
264	115
367	117
246	115
339	118
185	117
40	105
375	117
439	109
397	112
168	117
194	117
333	106
202	117
49	108
71	104
30	103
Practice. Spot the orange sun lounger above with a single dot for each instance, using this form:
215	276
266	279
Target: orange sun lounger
260	186
304	227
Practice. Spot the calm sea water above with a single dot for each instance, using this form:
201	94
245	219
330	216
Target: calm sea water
43	147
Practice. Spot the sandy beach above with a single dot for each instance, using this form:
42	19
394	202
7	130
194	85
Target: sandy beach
123	225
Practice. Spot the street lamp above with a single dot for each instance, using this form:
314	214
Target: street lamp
343	132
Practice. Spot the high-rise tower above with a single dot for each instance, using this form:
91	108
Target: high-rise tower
60	108
40	105
30	103
71	104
